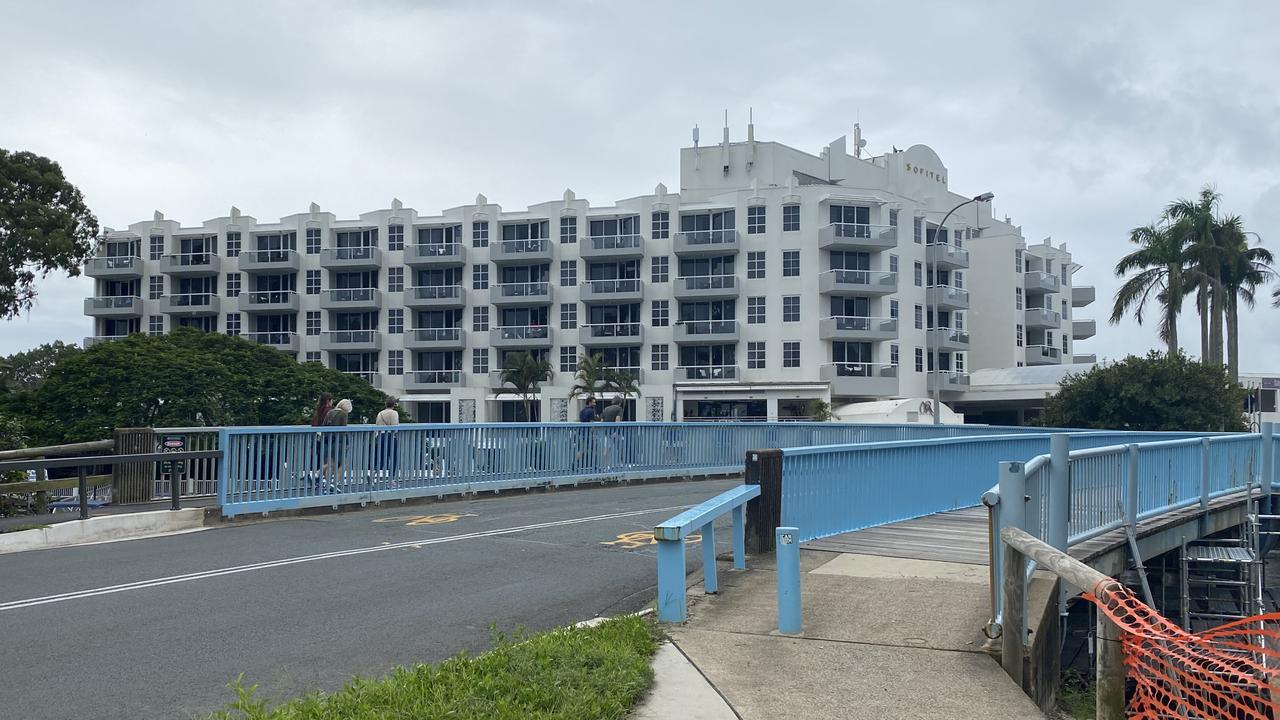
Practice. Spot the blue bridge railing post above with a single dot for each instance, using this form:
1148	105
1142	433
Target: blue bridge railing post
1131	489
788	555
709	584
671	579
1268	467
739	540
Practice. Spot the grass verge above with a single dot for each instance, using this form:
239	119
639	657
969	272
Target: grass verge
1076	697
571	674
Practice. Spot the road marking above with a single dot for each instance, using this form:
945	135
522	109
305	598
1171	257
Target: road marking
634	540
158	582
412	520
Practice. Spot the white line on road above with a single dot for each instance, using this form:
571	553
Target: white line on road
157	582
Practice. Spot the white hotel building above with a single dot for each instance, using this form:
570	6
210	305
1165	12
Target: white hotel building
771	278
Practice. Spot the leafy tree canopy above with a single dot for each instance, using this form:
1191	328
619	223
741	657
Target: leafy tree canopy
26	371
184	378
44	226
1156	392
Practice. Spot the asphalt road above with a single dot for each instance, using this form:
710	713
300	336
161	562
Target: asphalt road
156	628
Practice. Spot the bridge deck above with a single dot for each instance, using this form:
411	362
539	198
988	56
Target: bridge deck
959	536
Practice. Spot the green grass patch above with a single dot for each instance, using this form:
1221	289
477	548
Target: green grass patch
570	674
20	528
1076	697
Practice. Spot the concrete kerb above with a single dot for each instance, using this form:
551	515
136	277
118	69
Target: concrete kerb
105	528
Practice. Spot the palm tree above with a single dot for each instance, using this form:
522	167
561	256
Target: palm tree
591	377
1161	264
623	384
1243	270
1196	223
525	372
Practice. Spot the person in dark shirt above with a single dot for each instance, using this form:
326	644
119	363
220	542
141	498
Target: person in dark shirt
588	413
613	413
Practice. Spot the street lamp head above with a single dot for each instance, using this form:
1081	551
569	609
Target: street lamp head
984	197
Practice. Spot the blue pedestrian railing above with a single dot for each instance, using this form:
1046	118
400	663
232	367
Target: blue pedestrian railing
282	468
671	535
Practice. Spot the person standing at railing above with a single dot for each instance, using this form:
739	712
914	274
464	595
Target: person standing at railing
335	443
388	442
582	438
613	439
323	406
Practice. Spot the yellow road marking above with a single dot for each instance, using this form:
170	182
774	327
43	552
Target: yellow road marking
411	520
634	540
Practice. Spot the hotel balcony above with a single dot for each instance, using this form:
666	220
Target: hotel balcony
434	379
857	282
441	338
529	293
353	299
435	297
869	380
706	287
435	255
520	336
629	290
1083	295
1088	358
708	373
372	377
351	341
858	328
947	255
1043	318
948	381
364	257
1043	355
270	301
252	261
855	236
127	306
286	341
706	332
190	304
706	242
611	247
1083	329
947	297
611	334
99	339
947	339
124	267
190	264
521	252
1039	283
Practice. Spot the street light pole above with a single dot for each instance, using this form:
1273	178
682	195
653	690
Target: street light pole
931	301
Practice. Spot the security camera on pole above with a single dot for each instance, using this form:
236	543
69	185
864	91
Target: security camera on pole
933	308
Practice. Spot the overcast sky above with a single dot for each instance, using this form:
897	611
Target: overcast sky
1083	118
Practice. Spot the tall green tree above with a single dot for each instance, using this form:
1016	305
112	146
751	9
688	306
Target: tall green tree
1195	223
591	377
1160	270
525	373
1244	269
26	371
1156	392
622	383
44	226
184	378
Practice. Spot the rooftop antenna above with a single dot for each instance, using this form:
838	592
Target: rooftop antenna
724	147
697	151
858	142
751	138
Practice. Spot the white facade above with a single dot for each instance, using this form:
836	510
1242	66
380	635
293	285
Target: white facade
789	277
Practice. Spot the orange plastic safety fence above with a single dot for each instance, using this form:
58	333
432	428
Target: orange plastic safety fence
1231	671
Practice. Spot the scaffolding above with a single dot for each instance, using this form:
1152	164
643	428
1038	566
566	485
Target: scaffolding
1222	580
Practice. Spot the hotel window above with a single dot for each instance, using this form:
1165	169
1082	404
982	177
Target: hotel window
395	237
568	273
480	234
569	359
755	220
155	286
790	218
395	279
917	229
155	324
1064	344
480	277
568	316
313	322
919	360
569	229
233	244
790	263
918	274
959	361
893	264
395	362
660	269
893	309
660	225
755	356
1019	335
1065	275
1065	312
893	354
755	264
313	356
756	311
313	241
313	282
480	361
661	313
790	308
480	318
919	317
1017	261
233	284
893	218
660	357
791	354
157	246
957	279
395	321
1017	298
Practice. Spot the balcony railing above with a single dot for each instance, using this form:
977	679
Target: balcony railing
602	287
435	253
864	324
708	372
867	281
437	335
190	303
279	298
433	295
611	333
372	377
531	250
1043	355
1038	281
515	292
948	338
861	236
434	377
948	380
116	266
947	254
109	304
351	337
707	242
1042	317
282	340
863	369
948	296
708	327
278	259
339	297
695	283
611	244
355	256
99	339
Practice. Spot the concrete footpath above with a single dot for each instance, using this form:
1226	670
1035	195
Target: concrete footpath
883	638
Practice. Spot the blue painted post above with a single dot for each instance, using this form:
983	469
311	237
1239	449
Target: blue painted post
1059	504
739	540
1131	489
787	541
671	579
709	583
1268	466
1204	475
222	469
1013	495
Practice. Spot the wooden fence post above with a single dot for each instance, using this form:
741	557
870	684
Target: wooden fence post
764	513
1013	626
1110	678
